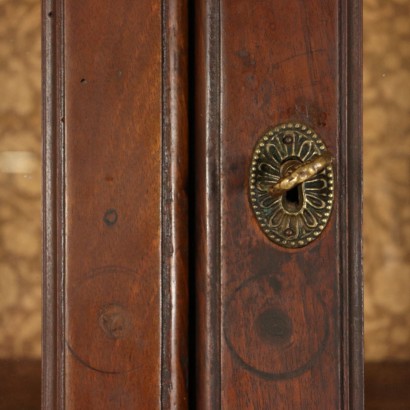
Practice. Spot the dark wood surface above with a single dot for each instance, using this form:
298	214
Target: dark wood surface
116	212
20	387
115	122
258	66
387	386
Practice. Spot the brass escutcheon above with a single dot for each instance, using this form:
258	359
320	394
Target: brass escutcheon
291	185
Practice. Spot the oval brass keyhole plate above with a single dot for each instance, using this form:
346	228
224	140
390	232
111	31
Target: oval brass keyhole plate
298	216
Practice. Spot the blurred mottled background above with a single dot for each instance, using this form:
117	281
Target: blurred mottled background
20	179
386	179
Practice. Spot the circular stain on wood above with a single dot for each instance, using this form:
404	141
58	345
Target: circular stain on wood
274	326
282	329
108	316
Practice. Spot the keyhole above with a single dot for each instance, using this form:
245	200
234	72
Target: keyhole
292	196
292	199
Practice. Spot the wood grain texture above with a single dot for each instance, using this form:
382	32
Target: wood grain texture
257	67
115	282
175	313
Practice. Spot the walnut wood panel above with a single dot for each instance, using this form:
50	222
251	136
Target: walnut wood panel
115	284
277	328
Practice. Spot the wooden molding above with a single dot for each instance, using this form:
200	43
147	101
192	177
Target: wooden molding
256	67
115	207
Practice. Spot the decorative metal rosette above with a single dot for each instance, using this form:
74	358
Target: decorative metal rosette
297	217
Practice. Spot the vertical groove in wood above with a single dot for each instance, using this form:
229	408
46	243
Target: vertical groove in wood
53	330
207	183
174	286
343	212
350	199
355	177
49	322
61	195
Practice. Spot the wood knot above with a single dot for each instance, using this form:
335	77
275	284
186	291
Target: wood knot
114	320
110	217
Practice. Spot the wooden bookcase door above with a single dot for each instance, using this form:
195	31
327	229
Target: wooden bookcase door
279	314
155	115
115	153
